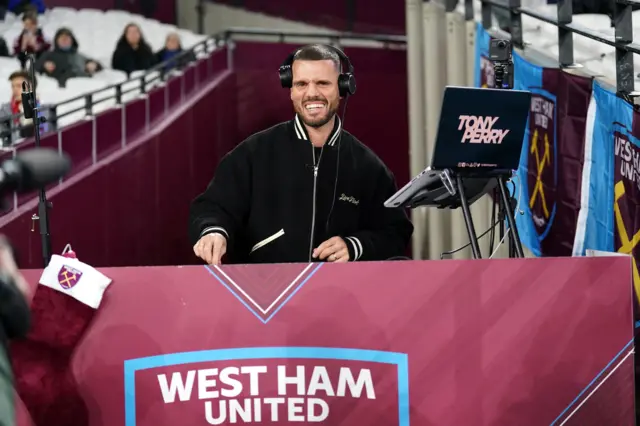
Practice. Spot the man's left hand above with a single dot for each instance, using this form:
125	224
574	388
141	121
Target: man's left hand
334	250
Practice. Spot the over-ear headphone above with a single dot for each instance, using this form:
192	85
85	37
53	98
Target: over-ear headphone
346	80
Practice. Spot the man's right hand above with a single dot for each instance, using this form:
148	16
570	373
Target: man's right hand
211	248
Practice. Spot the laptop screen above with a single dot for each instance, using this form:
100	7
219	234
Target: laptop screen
481	130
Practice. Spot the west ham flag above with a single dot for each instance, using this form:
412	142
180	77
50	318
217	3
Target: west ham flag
549	176
610	189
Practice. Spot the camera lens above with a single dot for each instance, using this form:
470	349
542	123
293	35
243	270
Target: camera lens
502	44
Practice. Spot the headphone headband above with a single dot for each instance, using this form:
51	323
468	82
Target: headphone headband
346	80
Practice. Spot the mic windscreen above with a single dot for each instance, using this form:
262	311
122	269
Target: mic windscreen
40	167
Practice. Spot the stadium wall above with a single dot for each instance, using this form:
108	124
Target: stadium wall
162	10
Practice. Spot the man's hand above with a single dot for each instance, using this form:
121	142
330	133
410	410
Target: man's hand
334	250
211	248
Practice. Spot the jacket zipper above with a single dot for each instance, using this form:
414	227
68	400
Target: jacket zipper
313	214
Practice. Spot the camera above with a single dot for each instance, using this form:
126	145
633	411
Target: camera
500	53
500	50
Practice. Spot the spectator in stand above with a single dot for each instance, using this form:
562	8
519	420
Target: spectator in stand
64	61
23	6
31	40
132	52
172	49
15	126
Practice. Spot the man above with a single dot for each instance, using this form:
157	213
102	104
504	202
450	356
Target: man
14	323
64	61
304	190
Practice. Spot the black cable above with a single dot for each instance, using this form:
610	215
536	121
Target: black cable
335	182
492	238
444	253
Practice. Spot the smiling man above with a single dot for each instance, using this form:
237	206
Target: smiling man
304	190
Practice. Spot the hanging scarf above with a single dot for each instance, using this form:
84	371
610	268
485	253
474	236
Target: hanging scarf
16	108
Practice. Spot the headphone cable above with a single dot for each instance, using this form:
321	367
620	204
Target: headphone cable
335	182
492	237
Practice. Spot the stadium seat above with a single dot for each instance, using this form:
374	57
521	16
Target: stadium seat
97	33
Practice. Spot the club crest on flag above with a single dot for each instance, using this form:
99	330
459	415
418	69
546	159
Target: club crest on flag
626	174
542	176
68	277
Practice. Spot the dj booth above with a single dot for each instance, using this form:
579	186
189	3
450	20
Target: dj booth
477	342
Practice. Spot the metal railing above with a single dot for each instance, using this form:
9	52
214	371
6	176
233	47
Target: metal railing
159	72
334	37
622	40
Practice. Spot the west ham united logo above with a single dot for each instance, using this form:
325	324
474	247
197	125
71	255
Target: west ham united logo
268	385
68	277
626	182
542	176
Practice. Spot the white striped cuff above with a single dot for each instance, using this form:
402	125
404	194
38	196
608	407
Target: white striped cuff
357	248
212	229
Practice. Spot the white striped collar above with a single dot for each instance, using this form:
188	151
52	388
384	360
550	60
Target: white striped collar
301	131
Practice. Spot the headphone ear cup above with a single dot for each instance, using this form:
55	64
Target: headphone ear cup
286	76
352	83
346	84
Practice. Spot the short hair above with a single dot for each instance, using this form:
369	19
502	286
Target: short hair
30	15
21	74
318	52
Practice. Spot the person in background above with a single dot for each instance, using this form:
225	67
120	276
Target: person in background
31	40
172	49
64	61
15	126
15	320
23	6
132	53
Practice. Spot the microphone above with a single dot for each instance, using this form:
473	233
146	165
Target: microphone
28	103
33	169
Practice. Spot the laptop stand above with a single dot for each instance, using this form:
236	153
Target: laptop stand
456	190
